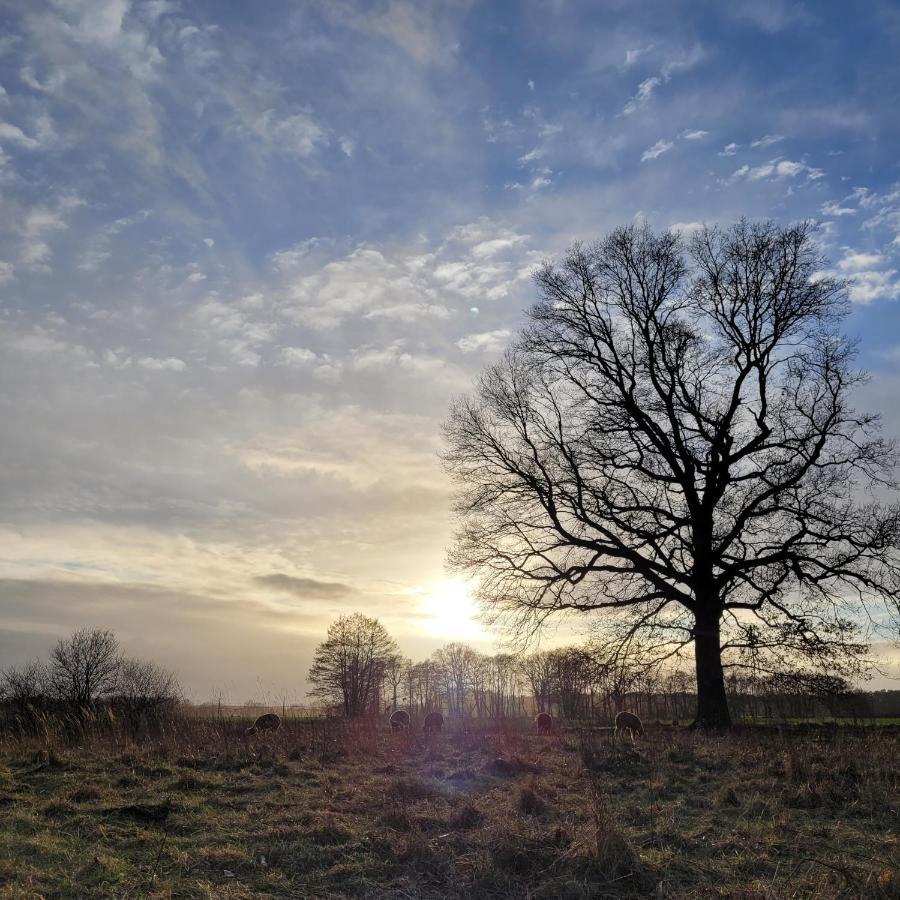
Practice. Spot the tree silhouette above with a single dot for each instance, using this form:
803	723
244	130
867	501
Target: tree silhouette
670	444
85	667
349	666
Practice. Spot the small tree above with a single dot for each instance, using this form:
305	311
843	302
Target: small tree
147	690
349	666
539	671
572	669
457	661
85	667
670	446
395	676
26	690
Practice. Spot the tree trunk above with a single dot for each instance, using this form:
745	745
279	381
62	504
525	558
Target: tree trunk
712	702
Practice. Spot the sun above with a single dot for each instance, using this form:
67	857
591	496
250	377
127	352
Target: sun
451	613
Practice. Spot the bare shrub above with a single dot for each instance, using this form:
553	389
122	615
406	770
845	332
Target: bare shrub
25	691
85	667
147	692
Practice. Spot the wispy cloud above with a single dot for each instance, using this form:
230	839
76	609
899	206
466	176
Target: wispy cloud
778	168
834	208
632	55
656	150
767	140
678	63
298	133
485	341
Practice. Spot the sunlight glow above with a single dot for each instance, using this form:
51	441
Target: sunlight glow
451	613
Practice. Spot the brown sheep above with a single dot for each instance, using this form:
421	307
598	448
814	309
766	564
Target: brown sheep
627	720
266	722
434	721
399	719
544	722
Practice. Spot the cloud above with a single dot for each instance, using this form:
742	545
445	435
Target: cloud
37	224
9	132
531	156
396	355
481	261
353	449
644	93
310	588
167	364
883	208
834	208
657	150
767	140
292	257
686	228
298	133
771	15
162	622
854	261
680	63
695	135
485	341
634	54
365	282
866	287
729	149
295	356
777	168
868	279
425	32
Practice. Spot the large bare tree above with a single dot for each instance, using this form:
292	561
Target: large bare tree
670	444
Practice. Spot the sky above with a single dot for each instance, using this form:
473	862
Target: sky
249	253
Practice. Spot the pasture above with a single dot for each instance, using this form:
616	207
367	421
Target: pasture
325	809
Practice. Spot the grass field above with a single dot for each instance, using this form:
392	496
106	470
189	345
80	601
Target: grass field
495	812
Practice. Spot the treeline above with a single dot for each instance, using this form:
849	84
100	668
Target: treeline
87	678
359	670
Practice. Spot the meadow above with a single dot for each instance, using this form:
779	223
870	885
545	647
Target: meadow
332	809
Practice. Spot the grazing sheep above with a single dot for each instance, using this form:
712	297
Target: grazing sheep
399	719
434	721
631	722
266	722
544	722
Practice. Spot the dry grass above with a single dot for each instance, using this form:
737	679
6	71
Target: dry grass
494	812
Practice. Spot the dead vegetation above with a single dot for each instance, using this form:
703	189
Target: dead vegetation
483	812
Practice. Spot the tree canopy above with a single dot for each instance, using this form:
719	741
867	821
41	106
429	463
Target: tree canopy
670	445
350	665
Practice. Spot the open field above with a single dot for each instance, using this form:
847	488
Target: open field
340	811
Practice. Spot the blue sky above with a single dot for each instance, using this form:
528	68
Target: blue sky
248	252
